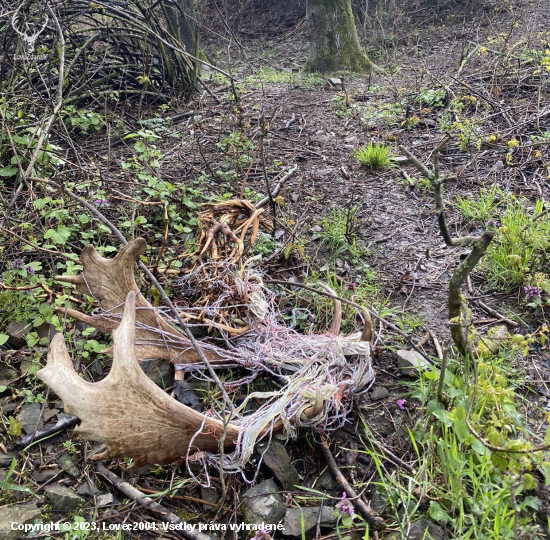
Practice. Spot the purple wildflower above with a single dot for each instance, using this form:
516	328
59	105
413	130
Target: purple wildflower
401	404
29	269
345	507
261	534
17	263
532	291
101	202
351	286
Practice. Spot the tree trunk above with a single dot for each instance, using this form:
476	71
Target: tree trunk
334	43
181	19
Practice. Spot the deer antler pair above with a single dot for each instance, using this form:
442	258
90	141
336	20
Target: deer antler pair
135	418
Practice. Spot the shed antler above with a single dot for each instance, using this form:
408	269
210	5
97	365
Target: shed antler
126	411
110	280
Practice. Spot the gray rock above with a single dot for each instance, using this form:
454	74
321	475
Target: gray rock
7	406
7	375
411	362
333	81
6	459
96	370
210	494
17	333
46	330
327	481
30	367
68	465
107	499
44	475
294	197
161	372
263	503
378	393
378	501
29	417
293	520
63	499
86	491
275	457
48	414
21	514
421	530
315	229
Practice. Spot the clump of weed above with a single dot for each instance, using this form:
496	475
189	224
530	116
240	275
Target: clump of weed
374	156
461	480
484	209
519	256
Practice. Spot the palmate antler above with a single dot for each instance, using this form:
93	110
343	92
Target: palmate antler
109	281
126	411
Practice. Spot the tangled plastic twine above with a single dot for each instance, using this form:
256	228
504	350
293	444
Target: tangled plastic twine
321	373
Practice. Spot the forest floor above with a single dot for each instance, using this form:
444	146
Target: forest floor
369	233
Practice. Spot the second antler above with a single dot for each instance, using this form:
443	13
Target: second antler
126	411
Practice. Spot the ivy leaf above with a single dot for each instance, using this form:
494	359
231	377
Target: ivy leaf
3	338
8	171
59	235
437	513
15	427
529	482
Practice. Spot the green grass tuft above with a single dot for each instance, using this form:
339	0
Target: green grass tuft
374	156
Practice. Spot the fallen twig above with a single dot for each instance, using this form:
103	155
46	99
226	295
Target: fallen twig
370	517
184	528
496	314
277	188
65	423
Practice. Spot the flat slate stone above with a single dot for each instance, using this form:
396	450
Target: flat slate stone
68	465
20	514
63	499
17	333
41	476
6	375
277	460
29	417
6	459
264	503
86	491
379	392
294	516
410	363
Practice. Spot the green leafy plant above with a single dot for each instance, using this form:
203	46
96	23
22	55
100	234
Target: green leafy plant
86	121
458	481
520	253
374	156
485	208
432	97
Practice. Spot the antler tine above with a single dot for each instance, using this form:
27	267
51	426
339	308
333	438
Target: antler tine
13	21
366	335
109	281
126	411
337	317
